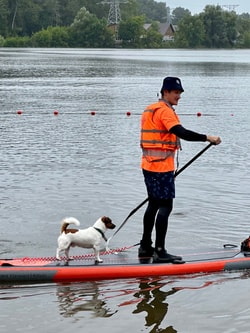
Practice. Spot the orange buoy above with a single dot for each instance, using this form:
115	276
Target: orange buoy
128	113
19	112
92	113
198	114
56	113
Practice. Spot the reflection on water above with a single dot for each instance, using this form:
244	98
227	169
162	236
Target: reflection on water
149	298
74	299
189	304
89	166
153	302
92	298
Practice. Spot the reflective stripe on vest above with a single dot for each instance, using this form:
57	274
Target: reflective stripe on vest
151	136
174	143
157	155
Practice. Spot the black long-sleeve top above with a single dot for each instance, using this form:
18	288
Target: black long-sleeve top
186	134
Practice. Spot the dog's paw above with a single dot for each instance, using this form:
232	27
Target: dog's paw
98	261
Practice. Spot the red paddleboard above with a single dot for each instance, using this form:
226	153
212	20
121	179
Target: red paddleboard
117	266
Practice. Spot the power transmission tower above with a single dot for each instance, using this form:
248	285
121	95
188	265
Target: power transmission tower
169	14
114	16
230	7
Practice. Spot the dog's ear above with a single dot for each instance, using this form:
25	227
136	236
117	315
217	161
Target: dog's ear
106	219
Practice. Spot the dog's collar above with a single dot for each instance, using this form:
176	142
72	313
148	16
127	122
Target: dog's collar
101	232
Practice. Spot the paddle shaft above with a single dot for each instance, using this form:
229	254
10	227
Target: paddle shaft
175	175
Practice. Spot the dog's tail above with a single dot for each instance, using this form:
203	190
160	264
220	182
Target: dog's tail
66	221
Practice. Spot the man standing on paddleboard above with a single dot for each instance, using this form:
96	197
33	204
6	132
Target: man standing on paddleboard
161	132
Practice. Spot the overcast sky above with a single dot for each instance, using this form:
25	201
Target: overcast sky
197	6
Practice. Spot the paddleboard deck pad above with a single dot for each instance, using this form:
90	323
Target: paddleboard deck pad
119	265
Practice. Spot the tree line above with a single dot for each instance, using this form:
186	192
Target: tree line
84	23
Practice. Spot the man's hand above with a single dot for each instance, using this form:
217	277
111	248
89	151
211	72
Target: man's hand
214	139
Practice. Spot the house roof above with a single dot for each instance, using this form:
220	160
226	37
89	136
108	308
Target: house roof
163	27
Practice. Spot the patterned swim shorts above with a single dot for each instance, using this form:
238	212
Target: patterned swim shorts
160	185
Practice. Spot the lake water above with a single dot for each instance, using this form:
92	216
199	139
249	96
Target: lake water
87	165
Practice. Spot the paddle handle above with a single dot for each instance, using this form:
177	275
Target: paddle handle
177	172
146	200
130	214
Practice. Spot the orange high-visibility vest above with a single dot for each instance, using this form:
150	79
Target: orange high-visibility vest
157	143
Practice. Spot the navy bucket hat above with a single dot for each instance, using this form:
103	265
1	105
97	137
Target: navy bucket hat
171	83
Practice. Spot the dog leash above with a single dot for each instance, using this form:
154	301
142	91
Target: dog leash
177	172
76	257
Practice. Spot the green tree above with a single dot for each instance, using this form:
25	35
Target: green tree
230	23
246	40
23	17
68	9
41	38
51	37
152	10
1	41
87	31
178	14
220	27
97	7
152	37
17	42
243	28
131	31
4	12
128	9
190	33
49	14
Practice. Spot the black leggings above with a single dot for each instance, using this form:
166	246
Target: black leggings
156	214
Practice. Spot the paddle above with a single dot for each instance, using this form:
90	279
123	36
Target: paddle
143	202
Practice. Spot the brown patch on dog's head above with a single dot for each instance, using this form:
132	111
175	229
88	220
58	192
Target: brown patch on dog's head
108	222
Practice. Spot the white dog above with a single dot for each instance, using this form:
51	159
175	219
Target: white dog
85	238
